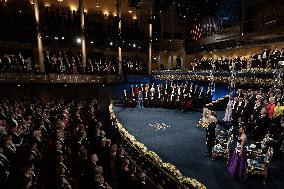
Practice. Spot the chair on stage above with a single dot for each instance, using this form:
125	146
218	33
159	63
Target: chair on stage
222	145
259	164
259	147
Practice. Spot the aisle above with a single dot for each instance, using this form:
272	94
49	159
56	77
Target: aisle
174	136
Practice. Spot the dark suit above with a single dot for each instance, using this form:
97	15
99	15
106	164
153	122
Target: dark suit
210	137
262	124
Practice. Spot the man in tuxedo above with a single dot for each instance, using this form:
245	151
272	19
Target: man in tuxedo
2	115
210	134
13	121
140	100
261	125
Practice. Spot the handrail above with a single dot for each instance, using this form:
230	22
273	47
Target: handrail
151	161
140	169
172	171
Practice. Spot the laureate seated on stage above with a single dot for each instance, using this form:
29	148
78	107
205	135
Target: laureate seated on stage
180	96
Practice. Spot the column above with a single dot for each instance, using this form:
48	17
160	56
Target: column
150	39
83	40
39	50
118	14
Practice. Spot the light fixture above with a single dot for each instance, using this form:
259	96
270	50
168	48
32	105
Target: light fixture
78	40
110	43
56	38
62	37
92	42
106	12
60	1
134	45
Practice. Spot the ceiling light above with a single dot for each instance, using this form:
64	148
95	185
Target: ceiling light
78	40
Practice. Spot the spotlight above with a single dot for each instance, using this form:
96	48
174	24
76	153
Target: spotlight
18	85
92	42
65	85
134	45
63	38
78	40
56	38
110	43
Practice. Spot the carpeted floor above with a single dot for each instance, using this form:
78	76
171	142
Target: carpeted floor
175	137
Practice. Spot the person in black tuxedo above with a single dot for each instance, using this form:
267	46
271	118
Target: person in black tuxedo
261	125
245	113
210	134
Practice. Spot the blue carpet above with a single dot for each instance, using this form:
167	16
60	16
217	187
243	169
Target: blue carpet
181	143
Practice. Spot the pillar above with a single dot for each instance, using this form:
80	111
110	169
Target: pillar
150	39
118	14
39	50
83	40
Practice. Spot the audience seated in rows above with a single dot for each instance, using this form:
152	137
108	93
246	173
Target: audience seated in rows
57	143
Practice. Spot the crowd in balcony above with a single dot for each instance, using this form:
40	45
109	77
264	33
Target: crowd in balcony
267	59
59	143
134	65
65	62
16	61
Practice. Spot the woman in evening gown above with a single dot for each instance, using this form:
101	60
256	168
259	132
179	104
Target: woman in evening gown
228	113
238	161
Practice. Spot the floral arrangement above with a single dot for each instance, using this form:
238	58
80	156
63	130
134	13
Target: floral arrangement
220	79
169	168
249	70
203	121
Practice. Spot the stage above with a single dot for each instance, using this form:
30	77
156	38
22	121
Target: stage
176	138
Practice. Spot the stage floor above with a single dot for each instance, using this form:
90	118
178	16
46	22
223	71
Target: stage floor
176	138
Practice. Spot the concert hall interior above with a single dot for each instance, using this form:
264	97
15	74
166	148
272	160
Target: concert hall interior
141	94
